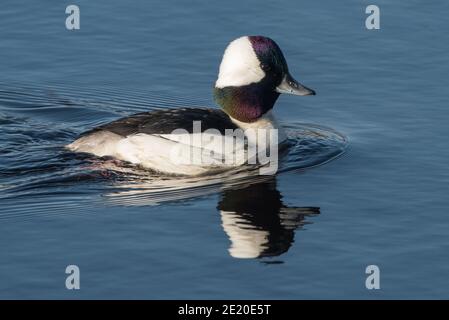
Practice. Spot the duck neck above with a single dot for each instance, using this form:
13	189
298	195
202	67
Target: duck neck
246	103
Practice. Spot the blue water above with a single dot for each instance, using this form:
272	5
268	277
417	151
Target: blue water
378	126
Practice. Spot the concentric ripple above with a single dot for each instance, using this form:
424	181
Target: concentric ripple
36	122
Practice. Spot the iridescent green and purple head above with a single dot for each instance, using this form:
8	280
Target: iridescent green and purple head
253	72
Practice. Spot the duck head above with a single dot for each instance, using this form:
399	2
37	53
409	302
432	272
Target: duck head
253	72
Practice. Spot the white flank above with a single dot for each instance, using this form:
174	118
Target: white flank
184	154
100	143
192	153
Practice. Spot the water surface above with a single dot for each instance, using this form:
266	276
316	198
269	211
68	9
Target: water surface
380	115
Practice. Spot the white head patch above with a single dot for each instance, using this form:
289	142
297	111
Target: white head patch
239	65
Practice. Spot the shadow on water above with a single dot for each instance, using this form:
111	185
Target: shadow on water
40	178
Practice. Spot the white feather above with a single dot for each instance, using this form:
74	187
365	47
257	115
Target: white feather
267	121
100	143
186	154
240	65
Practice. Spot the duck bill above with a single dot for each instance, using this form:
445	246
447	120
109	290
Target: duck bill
291	86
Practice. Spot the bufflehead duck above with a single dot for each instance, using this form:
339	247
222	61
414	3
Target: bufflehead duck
252	74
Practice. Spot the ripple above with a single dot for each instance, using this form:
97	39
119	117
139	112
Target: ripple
308	146
36	122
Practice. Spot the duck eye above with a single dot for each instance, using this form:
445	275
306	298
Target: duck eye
265	67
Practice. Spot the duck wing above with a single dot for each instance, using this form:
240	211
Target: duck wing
165	121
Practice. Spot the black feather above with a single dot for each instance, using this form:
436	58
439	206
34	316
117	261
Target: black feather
165	121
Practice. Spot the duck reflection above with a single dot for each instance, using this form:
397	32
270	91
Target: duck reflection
253	215
257	222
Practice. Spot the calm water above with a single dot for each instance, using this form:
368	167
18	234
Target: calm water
309	232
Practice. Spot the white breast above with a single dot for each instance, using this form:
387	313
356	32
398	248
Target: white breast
267	121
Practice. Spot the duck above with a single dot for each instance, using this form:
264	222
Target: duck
192	141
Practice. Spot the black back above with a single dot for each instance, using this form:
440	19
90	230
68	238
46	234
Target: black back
167	120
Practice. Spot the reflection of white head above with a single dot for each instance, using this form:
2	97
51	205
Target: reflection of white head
240	65
246	243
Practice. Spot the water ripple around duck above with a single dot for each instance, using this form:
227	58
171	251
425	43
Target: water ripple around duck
36	122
